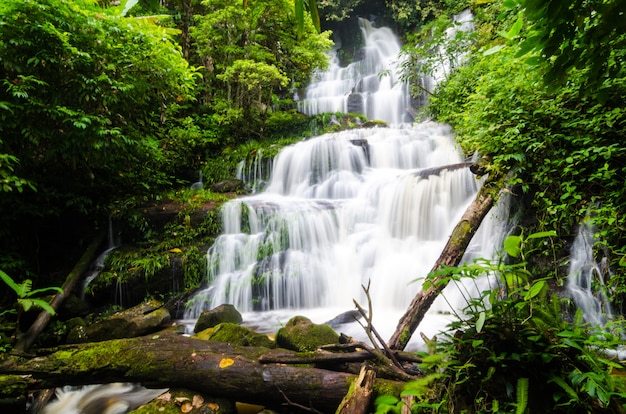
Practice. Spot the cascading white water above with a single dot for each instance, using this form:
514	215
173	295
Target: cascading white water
370	85
344	210
585	281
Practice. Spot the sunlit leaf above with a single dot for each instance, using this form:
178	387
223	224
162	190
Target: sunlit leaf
480	322
512	245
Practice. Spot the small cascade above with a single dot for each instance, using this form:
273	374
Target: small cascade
585	281
453	52
98	264
370	85
255	173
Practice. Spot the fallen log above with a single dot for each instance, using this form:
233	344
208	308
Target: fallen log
358	399
211	368
27	340
450	256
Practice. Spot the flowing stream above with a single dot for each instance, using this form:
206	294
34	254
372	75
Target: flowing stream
346	210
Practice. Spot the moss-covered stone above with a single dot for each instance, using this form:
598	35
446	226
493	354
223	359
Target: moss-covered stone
236	335
300	334
213	317
140	320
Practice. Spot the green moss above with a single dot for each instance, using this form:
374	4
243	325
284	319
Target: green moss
236	335
405	336
300	334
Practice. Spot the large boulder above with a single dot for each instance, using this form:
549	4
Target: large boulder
300	334
213	317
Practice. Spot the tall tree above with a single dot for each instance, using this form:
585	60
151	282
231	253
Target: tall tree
260	42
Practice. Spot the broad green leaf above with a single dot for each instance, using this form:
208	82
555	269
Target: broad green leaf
315	17
514	30
509	4
128	4
9	281
542	234
480	322
493	50
44	290
512	245
535	289
44	305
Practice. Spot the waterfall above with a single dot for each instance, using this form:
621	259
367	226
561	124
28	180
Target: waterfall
348	209
585	281
370	85
341	211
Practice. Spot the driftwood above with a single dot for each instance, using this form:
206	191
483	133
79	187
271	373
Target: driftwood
27	340
450	256
212	368
358	399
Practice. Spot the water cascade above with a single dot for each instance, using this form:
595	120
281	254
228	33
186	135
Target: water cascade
370	85
585	281
343	210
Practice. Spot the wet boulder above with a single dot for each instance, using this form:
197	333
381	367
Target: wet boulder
300	334
213	317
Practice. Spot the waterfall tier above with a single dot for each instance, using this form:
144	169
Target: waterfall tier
370	85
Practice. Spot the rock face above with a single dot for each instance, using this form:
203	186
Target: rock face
215	316
140	320
300	334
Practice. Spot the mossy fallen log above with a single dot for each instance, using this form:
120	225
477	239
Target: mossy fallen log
212	368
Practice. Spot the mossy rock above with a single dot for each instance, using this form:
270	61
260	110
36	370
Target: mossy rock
213	317
236	335
139	320
375	123
302	335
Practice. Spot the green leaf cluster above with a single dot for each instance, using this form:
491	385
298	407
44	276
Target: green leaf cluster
512	351
561	146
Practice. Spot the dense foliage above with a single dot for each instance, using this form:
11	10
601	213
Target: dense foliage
540	97
562	145
100	109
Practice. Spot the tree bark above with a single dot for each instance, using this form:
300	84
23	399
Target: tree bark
450	256
27	340
359	398
212	368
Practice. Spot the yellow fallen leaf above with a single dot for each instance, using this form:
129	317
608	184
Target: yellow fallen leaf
176	250
186	407
226	362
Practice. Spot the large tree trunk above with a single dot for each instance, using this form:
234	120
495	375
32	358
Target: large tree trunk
450	256
212	368
27	340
